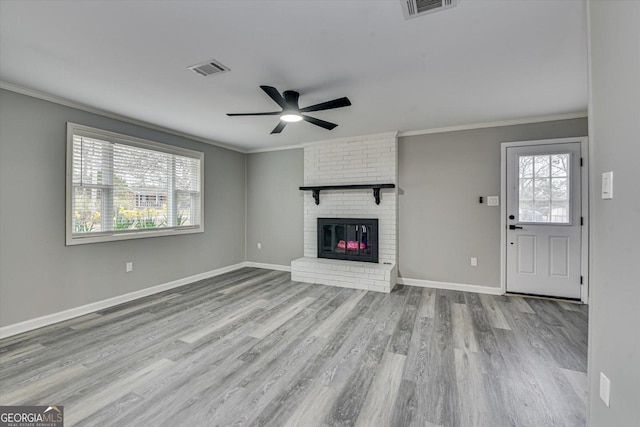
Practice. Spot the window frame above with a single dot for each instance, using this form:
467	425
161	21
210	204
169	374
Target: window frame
533	177
113	235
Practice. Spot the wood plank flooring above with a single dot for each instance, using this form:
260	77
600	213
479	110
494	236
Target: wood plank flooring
253	348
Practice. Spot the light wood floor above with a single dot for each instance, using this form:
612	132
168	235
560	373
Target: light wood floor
252	347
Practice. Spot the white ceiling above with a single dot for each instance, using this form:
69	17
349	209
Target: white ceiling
481	61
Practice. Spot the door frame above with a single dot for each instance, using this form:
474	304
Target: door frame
584	181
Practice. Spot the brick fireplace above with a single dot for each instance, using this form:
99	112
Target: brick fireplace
363	160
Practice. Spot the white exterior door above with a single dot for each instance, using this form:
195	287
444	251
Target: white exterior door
543	236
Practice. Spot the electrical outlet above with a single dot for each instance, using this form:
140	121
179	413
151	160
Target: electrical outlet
607	185
259	246
474	262
605	389
128	267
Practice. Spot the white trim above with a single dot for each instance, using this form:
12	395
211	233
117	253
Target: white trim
373	137
584	257
586	247
267	266
39	322
589	152
281	148
480	289
512	122
79	106
503	218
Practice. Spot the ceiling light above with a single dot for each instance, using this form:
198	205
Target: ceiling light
291	117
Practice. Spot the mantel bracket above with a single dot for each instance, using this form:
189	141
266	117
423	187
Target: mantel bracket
316	196
376	195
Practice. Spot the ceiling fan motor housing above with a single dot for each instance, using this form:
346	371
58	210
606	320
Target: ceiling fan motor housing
291	98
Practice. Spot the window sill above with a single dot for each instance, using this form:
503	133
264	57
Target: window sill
99	238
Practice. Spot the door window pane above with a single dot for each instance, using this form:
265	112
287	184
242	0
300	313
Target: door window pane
559	212
560	165
526	189
541	166
525	167
543	188
559	189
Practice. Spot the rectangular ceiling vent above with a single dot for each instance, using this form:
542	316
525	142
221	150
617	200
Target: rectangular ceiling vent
415	8
209	68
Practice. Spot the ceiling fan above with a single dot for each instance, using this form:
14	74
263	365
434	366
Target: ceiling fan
291	112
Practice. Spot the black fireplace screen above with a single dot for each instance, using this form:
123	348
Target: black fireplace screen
348	238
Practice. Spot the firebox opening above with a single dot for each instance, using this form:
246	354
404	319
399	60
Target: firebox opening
351	239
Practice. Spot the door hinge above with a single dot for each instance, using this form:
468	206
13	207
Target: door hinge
581	280
581	162
581	220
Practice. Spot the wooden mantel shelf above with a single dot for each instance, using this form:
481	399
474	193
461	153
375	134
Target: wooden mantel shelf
376	189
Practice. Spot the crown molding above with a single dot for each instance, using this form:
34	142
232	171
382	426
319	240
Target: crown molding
372	137
512	122
280	148
79	106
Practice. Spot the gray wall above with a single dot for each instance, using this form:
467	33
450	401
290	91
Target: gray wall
441	222
274	206
614	342
39	275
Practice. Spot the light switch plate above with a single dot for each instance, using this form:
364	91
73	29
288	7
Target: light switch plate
493	200
605	389
607	185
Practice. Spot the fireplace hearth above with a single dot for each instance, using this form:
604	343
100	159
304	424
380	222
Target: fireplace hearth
351	239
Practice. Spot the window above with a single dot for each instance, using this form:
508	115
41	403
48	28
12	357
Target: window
120	187
544	188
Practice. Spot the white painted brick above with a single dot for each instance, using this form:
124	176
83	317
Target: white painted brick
358	160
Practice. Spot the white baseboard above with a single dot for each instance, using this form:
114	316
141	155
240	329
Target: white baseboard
268	266
451	286
39	322
50	319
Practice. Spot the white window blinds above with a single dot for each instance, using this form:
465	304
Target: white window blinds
125	186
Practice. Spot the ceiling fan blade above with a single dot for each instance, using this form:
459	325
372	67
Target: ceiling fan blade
275	95
271	113
318	122
279	127
335	103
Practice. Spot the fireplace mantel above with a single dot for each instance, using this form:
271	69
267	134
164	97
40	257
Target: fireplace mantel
376	189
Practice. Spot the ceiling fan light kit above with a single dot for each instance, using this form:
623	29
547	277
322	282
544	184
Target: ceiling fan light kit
291	117
291	111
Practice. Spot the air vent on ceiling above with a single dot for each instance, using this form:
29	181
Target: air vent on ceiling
208	68
414	8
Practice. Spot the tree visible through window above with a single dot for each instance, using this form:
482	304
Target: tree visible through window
120	186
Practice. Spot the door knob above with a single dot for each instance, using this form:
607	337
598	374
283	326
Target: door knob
514	227
512	217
